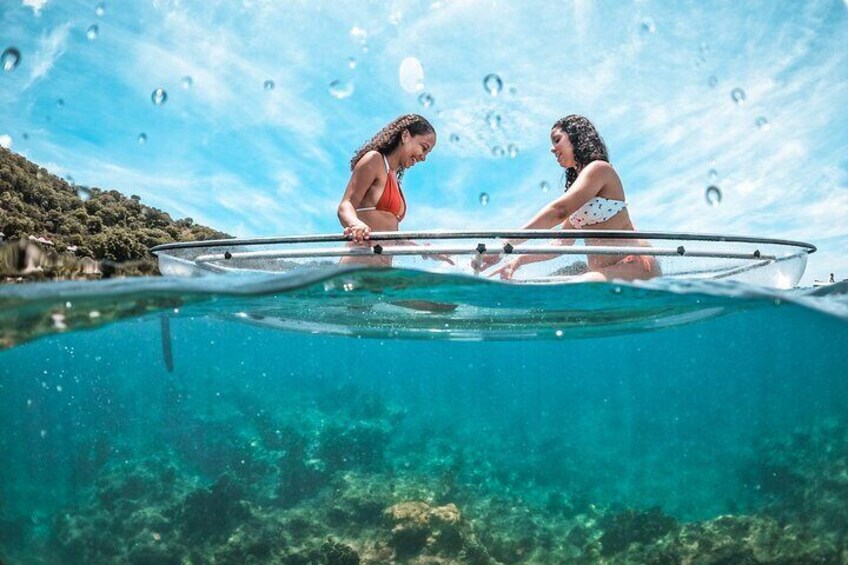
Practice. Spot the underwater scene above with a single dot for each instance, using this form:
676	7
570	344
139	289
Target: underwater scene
170	421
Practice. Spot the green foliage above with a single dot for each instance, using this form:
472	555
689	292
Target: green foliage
108	225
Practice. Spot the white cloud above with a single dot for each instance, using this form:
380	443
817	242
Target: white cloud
51	47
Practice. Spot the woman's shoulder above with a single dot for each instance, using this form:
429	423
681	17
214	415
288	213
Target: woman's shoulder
370	159
599	168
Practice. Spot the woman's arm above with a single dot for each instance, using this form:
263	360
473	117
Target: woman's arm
589	183
364	174
507	271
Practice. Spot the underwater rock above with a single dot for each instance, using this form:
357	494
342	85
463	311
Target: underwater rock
633	526
211	513
336	553
419	528
735	540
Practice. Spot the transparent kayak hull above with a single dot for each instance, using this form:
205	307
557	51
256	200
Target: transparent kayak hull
763	262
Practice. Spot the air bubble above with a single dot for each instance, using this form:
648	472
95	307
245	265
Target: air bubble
738	96
10	59
186	82
493	84
60	103
545	186
454	138
648	25
484	198
512	151
93	32
713	195
712	174
493	119
341	89
351	63
713	81
498	151
268	85
425	99
763	124
142	138
159	96
100	9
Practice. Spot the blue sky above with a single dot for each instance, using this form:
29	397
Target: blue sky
656	77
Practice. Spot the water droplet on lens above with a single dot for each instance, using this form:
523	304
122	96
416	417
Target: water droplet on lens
493	84
648	25
712	174
512	150
713	81
84	193
268	85
351	62
100	9
411	75
763	124
484	198
513	91
93	32
359	34
545	186
498	151
10	59
142	138
186	82
60	103
341	89
494	120
713	195
159	96
425	99
738	95
454	138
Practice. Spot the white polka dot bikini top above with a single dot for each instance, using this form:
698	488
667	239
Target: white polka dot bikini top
595	211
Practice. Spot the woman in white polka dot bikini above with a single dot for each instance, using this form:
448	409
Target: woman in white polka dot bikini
594	199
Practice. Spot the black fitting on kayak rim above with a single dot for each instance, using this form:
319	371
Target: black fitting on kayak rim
481	248
681	250
228	255
757	253
508	248
378	249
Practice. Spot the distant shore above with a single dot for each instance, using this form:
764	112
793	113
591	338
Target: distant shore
51	229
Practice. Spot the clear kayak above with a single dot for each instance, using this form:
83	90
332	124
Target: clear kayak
772	263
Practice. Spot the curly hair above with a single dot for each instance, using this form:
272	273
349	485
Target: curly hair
387	139
586	141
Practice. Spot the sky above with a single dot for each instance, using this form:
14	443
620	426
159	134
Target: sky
267	100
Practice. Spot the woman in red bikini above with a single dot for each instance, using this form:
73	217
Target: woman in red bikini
373	199
594	199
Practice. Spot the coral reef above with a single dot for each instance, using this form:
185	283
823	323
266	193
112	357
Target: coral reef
331	485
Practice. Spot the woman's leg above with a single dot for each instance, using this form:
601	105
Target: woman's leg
632	267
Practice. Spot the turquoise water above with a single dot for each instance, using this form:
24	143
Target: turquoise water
265	442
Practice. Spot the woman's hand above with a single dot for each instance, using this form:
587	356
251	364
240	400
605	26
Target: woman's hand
436	256
483	262
358	232
507	271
